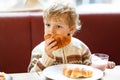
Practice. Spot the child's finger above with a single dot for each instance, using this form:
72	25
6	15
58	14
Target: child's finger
111	65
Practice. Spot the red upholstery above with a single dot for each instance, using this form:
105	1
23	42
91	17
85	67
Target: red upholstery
37	28
101	33
15	43
21	32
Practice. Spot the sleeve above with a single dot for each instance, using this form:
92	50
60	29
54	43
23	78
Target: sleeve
39	59
86	55
85	51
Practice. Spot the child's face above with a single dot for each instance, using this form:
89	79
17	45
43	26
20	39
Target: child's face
53	26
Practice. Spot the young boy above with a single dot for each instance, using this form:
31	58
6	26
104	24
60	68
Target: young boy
60	20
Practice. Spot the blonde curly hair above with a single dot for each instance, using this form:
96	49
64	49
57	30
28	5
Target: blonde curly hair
59	10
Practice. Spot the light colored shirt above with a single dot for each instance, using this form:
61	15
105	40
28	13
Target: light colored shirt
76	52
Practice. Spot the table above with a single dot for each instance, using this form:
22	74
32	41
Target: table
110	74
25	76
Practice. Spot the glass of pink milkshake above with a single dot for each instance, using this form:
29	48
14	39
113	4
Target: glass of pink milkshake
100	60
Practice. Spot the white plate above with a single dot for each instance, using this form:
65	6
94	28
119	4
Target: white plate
55	72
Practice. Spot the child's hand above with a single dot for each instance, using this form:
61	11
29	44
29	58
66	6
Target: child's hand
50	45
110	64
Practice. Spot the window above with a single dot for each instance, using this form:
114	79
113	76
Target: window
98	6
5	4
82	6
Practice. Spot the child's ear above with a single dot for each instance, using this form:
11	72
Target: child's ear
72	29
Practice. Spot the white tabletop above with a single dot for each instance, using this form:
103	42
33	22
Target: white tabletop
110	74
25	76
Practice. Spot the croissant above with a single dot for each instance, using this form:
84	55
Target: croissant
67	72
77	72
61	40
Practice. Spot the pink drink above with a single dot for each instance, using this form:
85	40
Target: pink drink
100	61
101	64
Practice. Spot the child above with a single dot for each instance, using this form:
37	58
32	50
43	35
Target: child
60	19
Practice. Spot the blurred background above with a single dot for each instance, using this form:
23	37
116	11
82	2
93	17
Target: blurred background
83	6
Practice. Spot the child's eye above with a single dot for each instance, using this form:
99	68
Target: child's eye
58	26
47	25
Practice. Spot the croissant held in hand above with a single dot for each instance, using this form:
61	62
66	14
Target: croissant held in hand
77	72
61	40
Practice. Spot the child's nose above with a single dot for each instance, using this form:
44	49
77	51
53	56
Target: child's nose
52	30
